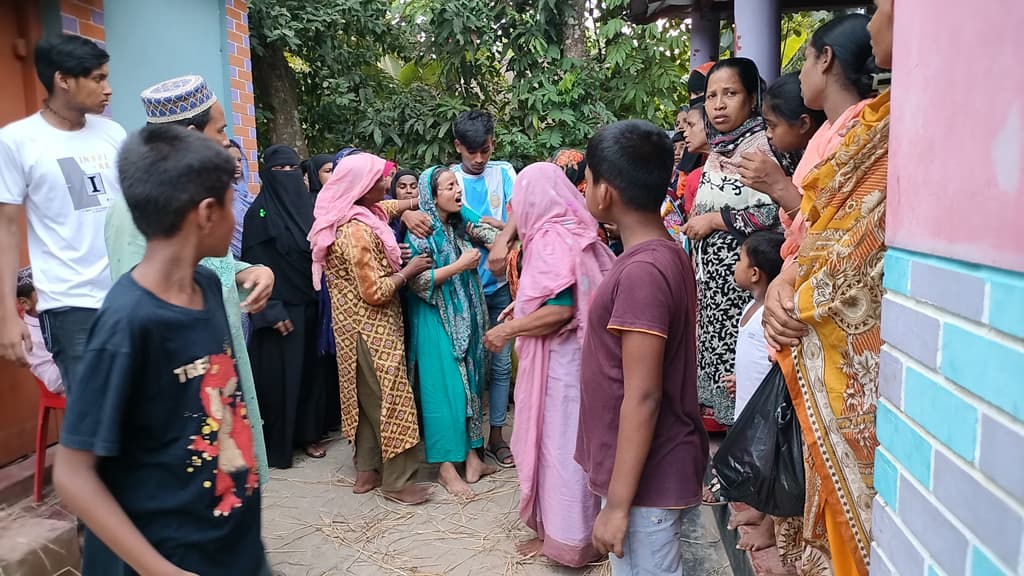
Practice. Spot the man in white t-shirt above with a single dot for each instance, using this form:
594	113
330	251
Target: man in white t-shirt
59	164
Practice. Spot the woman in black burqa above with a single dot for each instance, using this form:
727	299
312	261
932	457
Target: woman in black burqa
289	376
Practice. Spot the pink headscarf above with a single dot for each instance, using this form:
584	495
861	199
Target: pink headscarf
336	205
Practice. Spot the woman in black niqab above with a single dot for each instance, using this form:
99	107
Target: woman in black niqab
289	377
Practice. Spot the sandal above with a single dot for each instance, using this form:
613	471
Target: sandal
315	450
713	493
502	455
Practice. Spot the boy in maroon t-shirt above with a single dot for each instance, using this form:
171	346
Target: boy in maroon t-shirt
638	382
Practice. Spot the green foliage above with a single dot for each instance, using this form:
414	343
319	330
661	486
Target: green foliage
392	75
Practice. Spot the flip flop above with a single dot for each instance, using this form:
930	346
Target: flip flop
501	452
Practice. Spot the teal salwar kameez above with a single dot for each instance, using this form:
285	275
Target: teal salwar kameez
447	323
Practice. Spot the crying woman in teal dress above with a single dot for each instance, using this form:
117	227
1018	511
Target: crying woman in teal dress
447	320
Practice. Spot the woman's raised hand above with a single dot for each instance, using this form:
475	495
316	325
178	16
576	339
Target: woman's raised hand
780	327
418	265
763	174
469	260
418	223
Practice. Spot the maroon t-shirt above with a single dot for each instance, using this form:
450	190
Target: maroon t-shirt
650	289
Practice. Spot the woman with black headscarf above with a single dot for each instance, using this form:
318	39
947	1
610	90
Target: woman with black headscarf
283	345
318	171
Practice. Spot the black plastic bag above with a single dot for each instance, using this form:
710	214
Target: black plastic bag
760	462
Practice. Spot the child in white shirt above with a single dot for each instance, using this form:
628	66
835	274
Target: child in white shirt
759	264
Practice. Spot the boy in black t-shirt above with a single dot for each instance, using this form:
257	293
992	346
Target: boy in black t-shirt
156	453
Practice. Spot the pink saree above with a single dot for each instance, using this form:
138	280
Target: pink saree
561	251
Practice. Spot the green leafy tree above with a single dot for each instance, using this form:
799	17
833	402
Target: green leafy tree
391	76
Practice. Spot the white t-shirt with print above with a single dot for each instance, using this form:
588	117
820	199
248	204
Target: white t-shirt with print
66	180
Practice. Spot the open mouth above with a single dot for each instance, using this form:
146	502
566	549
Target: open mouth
458	200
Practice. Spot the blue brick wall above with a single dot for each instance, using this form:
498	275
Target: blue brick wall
950	467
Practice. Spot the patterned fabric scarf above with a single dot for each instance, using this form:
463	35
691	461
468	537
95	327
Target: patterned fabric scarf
462	294
725	144
574	163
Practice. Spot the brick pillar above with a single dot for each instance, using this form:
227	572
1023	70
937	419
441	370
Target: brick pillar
243	105
85	18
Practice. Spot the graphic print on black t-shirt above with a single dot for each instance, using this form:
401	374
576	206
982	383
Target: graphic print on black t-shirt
160	406
225	434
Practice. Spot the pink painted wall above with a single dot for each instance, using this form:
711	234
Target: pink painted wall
956	169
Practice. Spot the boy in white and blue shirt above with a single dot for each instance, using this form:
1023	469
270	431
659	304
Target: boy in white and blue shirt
486	191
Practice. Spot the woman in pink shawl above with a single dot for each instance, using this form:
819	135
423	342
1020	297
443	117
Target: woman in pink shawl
356	251
564	262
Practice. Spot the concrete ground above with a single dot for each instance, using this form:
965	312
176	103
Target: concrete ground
315	526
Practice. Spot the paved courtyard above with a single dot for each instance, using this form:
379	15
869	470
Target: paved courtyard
315	526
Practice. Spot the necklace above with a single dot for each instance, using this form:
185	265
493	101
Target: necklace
72	124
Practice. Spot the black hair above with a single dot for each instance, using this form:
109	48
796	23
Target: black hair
166	171
850	42
678	137
784	100
199	122
763	252
635	157
699	108
472	129
435	178
747	71
68	54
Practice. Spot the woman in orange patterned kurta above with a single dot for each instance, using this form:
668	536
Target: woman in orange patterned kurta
353	244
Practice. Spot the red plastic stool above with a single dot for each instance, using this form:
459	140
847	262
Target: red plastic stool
47	401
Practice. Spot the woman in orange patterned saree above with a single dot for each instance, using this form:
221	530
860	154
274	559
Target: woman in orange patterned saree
830	357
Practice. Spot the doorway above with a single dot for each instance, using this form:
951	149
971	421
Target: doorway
21	95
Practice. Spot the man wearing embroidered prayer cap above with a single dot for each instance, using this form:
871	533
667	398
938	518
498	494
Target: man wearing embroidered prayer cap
188	102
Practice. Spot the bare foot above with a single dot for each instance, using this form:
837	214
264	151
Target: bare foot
755	538
411	495
453	483
477	468
366	482
745	517
530	548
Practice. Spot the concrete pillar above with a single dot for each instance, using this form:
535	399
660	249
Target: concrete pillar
758	35
704	38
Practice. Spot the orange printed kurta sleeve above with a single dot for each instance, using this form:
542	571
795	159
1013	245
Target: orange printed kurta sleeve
363	251
392	208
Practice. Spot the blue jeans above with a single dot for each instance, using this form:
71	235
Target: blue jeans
501	362
652	546
65	332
